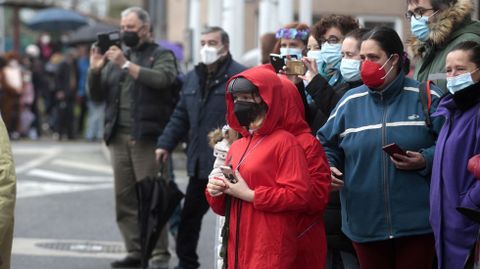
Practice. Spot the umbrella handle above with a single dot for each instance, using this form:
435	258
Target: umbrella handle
164	169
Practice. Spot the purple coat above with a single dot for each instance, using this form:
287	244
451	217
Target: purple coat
452	185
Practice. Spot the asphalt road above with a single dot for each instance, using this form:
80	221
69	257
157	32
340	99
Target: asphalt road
65	208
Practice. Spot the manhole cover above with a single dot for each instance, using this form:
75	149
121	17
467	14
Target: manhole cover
82	247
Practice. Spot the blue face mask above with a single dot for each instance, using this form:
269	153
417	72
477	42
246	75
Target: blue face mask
350	69
315	54
331	53
419	28
460	82
291	51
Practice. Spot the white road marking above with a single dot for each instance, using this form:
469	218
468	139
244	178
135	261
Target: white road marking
84	166
28	246
47	154
29	188
67	177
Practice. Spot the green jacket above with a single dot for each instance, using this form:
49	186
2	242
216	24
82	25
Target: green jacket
7	197
451	27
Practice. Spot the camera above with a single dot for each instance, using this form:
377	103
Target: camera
106	40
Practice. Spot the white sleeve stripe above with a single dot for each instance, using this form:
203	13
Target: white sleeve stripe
378	126
353	96
413	89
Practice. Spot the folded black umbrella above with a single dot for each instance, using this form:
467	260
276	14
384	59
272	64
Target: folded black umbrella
157	199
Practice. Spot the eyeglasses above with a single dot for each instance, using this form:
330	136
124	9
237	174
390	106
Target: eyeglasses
331	40
417	13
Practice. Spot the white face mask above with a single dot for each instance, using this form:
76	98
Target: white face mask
209	55
297	52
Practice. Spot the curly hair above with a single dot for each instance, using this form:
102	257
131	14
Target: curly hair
437	4
343	22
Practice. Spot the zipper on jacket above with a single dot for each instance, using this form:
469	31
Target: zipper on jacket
385	173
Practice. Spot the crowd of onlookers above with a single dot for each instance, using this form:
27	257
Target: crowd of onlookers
42	93
338	157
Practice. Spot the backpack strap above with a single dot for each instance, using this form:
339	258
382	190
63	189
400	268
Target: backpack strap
426	100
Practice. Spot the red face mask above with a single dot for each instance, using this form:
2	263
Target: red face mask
373	74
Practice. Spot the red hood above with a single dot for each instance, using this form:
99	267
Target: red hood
294	111
270	88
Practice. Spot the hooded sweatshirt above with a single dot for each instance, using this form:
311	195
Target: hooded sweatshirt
263	233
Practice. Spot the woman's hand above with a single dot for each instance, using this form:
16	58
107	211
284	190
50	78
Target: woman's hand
295	79
412	161
336	183
240	189
312	68
216	186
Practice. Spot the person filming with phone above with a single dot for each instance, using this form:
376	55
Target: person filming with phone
384	199
137	85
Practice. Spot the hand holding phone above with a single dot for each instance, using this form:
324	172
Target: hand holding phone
393	148
229	174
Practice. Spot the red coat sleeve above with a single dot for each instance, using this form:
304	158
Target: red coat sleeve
293	190
217	203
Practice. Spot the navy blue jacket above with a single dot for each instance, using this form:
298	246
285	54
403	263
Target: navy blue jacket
200	110
379	201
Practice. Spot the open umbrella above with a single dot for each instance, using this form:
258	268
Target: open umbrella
88	33
157	199
56	20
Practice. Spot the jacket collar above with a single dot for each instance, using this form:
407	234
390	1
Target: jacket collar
395	87
462	100
443	28
467	97
221	67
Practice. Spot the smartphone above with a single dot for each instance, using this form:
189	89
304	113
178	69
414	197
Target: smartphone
229	174
295	67
390	149
106	40
277	61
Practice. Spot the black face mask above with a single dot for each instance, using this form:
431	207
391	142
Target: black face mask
130	39
246	112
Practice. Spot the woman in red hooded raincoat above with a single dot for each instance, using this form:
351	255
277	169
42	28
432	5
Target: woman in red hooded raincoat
312	242
274	186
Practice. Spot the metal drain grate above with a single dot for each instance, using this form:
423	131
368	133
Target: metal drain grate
83	247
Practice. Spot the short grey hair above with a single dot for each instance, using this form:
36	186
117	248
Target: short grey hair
142	14
223	35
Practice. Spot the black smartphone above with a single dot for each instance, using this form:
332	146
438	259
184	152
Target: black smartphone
229	174
277	61
106	40
392	148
